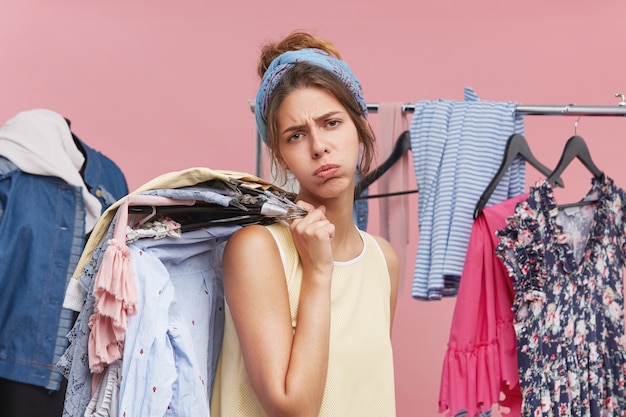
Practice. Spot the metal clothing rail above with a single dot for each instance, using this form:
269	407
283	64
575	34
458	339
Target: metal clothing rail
571	110
538	109
546	110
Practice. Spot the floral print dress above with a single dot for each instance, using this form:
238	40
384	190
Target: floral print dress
566	266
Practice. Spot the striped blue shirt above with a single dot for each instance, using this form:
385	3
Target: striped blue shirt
457	148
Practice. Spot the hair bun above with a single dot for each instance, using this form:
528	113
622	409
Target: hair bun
294	42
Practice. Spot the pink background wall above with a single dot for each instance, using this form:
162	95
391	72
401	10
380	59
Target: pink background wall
162	85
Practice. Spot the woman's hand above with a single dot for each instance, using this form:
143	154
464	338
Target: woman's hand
312	236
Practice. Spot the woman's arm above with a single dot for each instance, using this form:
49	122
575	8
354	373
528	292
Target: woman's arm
287	368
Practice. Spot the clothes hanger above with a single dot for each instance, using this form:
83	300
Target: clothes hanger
403	144
516	145
205	214
201	216
575	148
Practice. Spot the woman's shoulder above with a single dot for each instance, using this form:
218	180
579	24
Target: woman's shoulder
388	253
385	247
257	238
252	238
250	253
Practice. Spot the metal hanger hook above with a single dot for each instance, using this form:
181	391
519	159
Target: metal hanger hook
513	114
149	216
623	102
576	125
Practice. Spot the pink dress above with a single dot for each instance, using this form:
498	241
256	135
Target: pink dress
480	365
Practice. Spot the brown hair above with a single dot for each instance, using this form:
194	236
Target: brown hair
303	75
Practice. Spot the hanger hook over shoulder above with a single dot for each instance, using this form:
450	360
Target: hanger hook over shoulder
621	96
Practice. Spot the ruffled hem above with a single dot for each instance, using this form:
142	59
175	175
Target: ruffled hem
475	379
104	402
115	294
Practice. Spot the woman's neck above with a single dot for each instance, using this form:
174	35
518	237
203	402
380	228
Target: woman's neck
347	242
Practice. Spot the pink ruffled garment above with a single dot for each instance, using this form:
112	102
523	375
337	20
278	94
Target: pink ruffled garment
115	291
115	297
480	364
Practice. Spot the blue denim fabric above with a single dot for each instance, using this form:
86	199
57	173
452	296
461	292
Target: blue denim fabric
103	177
360	209
360	212
42	235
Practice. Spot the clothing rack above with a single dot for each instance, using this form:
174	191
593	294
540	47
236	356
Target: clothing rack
520	109
546	110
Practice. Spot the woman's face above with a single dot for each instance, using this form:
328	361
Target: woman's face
318	142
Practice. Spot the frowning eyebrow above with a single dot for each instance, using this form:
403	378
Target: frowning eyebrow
316	119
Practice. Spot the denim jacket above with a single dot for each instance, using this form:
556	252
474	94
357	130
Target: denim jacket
42	235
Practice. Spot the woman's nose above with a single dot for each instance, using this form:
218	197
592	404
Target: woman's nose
319	147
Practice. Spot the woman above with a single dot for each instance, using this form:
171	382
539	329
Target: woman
310	303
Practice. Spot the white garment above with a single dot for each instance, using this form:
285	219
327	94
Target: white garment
104	402
40	142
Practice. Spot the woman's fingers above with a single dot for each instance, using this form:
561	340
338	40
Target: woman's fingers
314	222
306	206
312	236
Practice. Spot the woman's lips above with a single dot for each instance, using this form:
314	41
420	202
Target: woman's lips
326	171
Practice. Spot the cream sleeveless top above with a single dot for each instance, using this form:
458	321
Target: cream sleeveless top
360	381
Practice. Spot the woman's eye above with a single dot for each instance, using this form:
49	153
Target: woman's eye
333	123
294	137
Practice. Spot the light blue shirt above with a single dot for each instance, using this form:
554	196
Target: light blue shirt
161	372
457	148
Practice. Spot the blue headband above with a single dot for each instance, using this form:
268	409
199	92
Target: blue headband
282	63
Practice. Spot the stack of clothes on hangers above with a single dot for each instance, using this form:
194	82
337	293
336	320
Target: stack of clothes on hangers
149	293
